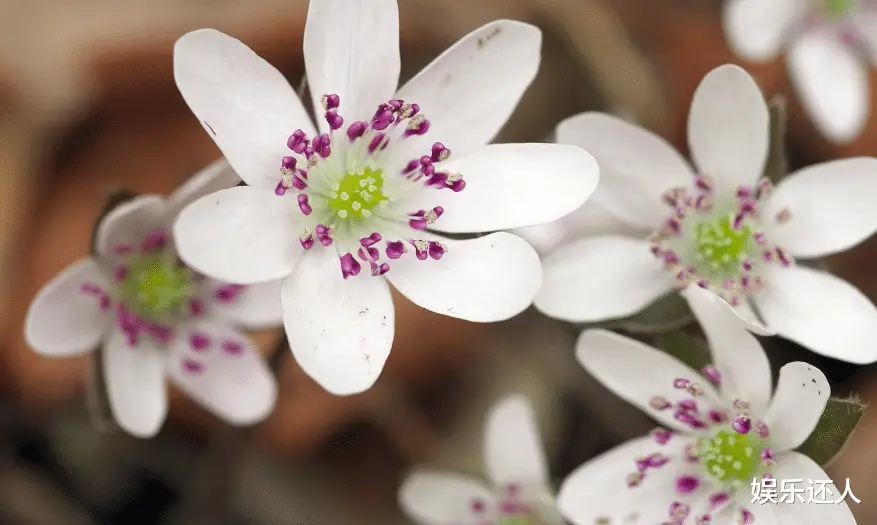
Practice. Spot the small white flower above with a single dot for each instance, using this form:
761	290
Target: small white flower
519	492
830	46
155	318
722	431
369	192
720	227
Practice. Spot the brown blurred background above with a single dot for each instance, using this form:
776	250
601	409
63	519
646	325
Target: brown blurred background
88	104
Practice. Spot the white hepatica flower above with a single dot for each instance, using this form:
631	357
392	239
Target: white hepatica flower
717	440
371	186
519	493
719	227
830	43
155	318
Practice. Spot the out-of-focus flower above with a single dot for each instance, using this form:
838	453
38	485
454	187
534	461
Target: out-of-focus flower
519	492
830	47
155	318
720	227
724	432
368	193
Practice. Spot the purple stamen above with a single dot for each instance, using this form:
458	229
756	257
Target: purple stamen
199	342
349	265
687	484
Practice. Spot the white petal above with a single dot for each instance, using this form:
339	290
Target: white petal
340	330
470	91
129	223
228	377
487	279
831	205
351	49
513	450
432	497
637	373
240	235
245	105
598	489
800	398
739	357
217	176
728	127
821	312
135	384
591	219
757	29
256	306
636	166
747	314
832	82
601	278
796	466
63	320
513	185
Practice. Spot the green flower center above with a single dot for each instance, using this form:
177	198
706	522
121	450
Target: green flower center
517	520
838	8
720	245
358	194
156	287
730	457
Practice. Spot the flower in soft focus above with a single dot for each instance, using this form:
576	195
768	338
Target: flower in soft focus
519	492
340	212
723	431
720	227
156	318
831	44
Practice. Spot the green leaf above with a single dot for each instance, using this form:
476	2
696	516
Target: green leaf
690	349
833	430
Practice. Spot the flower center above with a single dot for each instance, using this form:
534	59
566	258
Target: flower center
156	287
718	245
731	458
353	187
357	194
838	8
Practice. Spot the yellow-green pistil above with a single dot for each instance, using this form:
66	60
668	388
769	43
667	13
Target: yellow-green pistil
730	457
720	246
838	8
156	287
358	194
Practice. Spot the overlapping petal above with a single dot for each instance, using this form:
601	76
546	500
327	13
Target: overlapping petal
757	29
135	378
218	175
340	330
434	497
512	445
798	402
129	223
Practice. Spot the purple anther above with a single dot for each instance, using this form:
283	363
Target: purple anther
681	383
288	163
154	240
767	456
712	373
413	164
297	141
395	249
199	342
382	119
436	250
331	101
679	511
717	416
421	249
349	265
196	308
439	152
376	142
299	182
324	235
416	126
322	145
761	428
746	517
659	403
122	249
661	435
742	424
687	484
370	240
190	366
307	240
303	204
232	347
120	273
356	130
688	404
229	292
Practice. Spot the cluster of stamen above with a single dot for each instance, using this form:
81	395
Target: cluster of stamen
352	202
510	509
731	452
716	246
153	292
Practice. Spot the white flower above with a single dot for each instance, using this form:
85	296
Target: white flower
519	492
719	226
154	317
830	43
716	441
372	186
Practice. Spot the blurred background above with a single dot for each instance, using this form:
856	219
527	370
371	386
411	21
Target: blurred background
88	105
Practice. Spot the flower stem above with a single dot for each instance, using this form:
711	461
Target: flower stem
777	161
